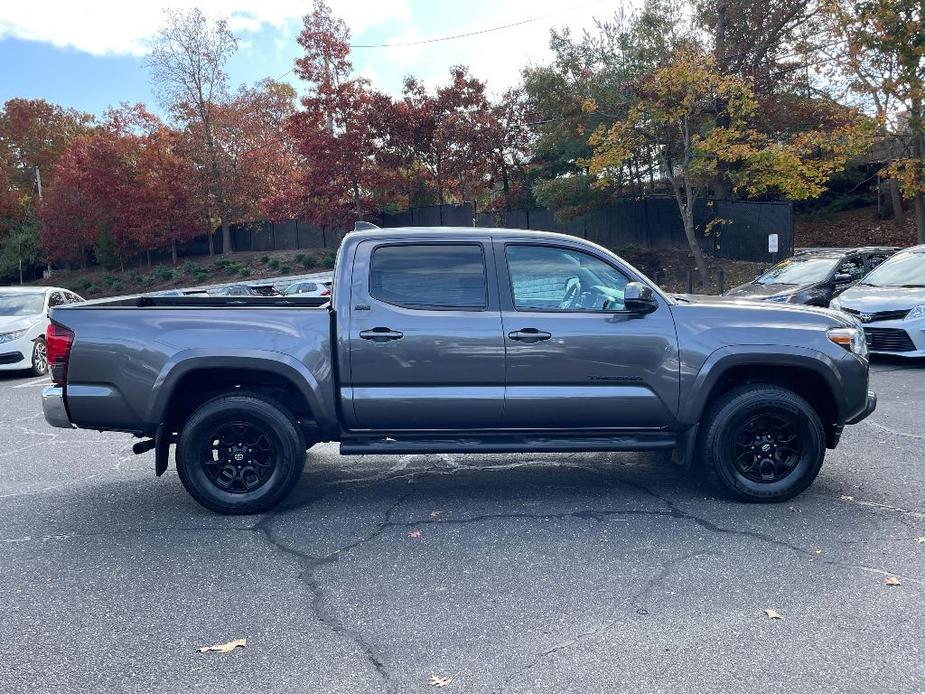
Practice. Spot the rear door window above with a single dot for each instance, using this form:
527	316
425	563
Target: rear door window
436	276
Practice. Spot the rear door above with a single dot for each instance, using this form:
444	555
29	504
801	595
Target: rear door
425	345
576	359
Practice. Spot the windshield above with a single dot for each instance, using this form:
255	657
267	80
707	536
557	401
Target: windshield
799	270
21	304
902	270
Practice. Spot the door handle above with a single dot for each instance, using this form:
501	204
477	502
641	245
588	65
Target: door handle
381	334
529	335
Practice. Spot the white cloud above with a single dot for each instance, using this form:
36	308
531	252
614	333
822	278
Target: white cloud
108	27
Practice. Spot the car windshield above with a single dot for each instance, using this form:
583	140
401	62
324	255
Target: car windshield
21	304
799	270
902	270
296	289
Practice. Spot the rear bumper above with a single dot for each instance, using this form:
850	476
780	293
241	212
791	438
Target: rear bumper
868	408
54	409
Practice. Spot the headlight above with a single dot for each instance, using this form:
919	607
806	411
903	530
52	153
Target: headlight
780	298
916	312
852	339
15	335
835	304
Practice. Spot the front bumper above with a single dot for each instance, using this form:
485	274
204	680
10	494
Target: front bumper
16	354
868	408
54	408
901	338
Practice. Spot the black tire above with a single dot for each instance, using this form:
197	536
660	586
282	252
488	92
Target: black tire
761	443
256	472
39	357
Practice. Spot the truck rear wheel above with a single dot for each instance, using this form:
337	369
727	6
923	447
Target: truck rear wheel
761	443
240	453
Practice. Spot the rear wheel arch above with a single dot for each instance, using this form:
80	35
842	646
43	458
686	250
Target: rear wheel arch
193	382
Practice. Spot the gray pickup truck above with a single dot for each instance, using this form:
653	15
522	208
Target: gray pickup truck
461	341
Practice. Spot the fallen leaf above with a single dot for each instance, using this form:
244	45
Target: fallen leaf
414	534
223	647
845	497
792	509
437	681
891	581
920	540
773	614
436	514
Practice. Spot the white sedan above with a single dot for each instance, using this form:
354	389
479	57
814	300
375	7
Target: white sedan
23	322
314	288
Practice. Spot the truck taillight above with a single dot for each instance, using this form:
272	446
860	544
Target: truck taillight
58	341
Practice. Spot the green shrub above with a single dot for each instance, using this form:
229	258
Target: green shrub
84	285
264	259
328	259
244	271
136	277
188	268
165	273
200	275
113	282
274	264
306	261
300	258
223	264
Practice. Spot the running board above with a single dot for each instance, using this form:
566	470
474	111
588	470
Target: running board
509	444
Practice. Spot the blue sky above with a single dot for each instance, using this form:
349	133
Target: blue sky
90	55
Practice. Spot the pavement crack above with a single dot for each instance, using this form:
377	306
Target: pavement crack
311	565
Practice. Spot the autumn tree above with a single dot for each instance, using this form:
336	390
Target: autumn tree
884	57
673	116
333	132
597	67
187	62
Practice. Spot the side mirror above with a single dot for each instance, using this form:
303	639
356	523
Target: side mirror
842	277
639	298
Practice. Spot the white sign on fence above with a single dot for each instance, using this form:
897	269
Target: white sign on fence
772	243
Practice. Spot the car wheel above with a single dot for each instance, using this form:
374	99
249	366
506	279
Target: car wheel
761	443
39	357
240	453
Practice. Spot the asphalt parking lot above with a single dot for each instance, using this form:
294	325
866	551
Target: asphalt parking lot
518	573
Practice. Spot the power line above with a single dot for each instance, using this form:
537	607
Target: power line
477	32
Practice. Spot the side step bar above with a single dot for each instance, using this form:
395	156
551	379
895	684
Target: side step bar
509	444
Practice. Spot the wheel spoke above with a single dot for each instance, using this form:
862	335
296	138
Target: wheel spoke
240	456
766	446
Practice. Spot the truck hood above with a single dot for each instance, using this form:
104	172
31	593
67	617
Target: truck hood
869	299
725	321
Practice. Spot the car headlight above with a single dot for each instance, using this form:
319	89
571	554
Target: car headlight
852	339
916	312
835	304
15	335
780	298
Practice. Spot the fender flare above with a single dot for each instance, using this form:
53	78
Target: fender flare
694	399
280	364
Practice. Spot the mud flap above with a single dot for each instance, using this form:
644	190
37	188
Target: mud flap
161	450
683	453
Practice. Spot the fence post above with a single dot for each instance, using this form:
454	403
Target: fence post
658	277
690	281
722	281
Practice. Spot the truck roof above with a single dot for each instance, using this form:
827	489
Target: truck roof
459	232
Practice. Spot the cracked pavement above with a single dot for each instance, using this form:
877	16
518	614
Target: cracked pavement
507	573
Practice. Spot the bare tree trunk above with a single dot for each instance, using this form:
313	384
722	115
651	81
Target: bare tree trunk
148	257
356	201
896	201
209	235
226	237
173	251
918	152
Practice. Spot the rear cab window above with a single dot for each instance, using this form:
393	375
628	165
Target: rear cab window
439	276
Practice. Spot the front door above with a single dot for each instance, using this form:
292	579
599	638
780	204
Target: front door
425	345
576	358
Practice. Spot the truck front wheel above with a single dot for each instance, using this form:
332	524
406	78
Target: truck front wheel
240	453
761	443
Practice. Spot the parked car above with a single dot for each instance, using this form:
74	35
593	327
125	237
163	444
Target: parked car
308	288
462	341
890	303
235	290
813	276
23	322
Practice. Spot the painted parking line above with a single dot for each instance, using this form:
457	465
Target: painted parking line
44	380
